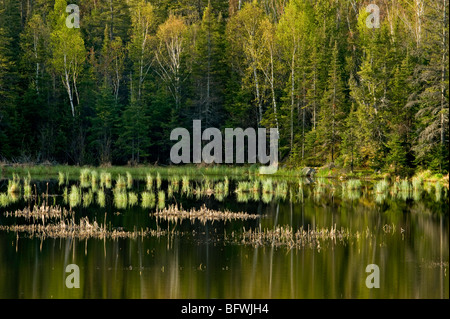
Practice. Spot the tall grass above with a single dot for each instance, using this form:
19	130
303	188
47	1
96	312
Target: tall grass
267	186
61	178
161	199
88	198
185	184
149	182
94	179
27	187
132	199
158	181
105	179
381	187
120	183
101	198
85	178
14	185
74	196
148	200
129	180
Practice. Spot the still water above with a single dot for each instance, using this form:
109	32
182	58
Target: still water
405	235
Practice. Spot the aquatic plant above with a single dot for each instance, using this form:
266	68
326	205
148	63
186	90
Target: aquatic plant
88	198
185	184
120	198
84	178
74	196
158	181
101	198
94	179
105	179
14	185
61	178
267	185
381	187
161	199
148	200
132	199
120	183
129	180
149	182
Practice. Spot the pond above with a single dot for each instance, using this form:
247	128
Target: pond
214	237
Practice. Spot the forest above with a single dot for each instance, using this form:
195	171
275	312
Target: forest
111	91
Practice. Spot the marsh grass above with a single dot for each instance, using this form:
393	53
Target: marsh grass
88	198
65	195
161	199
381	187
85	178
94	180
148	200
267	186
175	183
101	197
129	180
352	184
4	200
132	199
105	180
243	187
74	196
120	198
267	197
120	183
27	192
158	181
185	185
61	178
281	190
14	185
149	182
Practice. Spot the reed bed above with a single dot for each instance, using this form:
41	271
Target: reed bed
148	200
105	180
204	214
149	182
42	213
287	237
83	230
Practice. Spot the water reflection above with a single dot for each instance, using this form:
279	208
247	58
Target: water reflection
402	227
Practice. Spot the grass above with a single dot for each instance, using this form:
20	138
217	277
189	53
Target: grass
161	199
352	184
132	199
88	198
158	180
120	182
84	177
129	180
120	198
381	187
27	187
61	178
267	186
185	184
105	179
14	185
101	198
149	182
148	200
74	196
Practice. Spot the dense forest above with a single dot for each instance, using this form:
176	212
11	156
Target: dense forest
338	89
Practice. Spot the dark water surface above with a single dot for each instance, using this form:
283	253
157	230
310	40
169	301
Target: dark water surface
407	236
